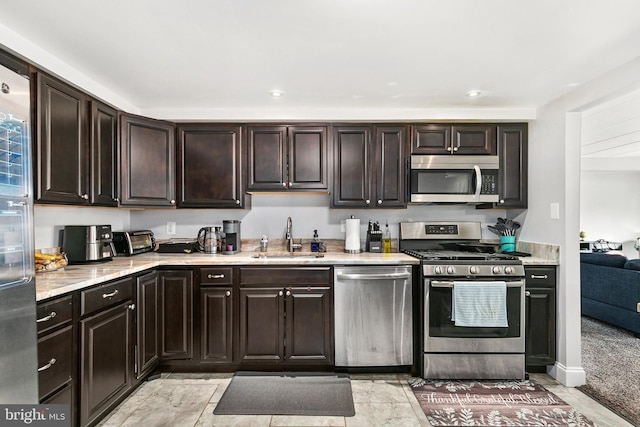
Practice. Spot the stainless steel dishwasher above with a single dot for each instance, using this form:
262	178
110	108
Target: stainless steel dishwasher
373	316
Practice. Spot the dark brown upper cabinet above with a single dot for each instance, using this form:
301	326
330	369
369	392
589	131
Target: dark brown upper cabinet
513	178
369	172
62	145
104	155
462	138
147	162
209	166
287	158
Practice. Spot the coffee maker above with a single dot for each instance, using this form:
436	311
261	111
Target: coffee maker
231	230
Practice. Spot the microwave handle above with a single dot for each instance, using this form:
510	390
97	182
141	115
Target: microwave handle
478	180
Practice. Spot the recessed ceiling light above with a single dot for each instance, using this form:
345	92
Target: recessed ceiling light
473	93
276	93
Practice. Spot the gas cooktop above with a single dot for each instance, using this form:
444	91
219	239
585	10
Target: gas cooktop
452	255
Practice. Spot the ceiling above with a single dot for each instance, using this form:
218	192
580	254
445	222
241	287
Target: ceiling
221	58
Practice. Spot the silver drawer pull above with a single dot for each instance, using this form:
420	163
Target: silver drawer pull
535	276
228	293
112	294
527	293
48	365
47	318
215	276
448	284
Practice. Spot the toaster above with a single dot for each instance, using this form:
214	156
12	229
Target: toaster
127	243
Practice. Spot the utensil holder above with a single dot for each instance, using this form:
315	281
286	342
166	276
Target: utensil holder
507	243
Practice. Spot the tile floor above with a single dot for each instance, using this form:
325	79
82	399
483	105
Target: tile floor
188	400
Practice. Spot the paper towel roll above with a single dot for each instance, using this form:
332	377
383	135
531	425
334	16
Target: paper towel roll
352	238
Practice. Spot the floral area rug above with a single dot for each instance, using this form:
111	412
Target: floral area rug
491	403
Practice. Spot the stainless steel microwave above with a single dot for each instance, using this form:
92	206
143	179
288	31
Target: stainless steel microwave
453	179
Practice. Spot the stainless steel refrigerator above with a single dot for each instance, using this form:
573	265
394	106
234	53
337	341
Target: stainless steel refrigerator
18	342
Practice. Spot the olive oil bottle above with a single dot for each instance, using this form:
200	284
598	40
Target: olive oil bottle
386	239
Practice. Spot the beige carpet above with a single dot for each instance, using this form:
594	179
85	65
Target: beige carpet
610	358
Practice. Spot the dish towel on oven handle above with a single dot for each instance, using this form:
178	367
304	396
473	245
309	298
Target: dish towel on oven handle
479	304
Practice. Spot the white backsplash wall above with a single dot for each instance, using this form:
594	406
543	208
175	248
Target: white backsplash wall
49	220
268	216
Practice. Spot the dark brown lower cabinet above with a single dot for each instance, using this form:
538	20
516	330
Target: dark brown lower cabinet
216	311
288	324
106	372
540	347
147	321
176	314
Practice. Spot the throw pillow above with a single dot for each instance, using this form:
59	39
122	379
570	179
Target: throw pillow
632	264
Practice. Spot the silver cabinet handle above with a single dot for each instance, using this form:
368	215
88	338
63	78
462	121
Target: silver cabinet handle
368	202
173	202
215	276
112	294
288	293
290	184
448	148
228	293
527	293
280	293
284	184
237	202
12	204
379	201
47	318
455	148
534	276
446	284
48	365
131	306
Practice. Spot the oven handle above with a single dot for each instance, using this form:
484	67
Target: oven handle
449	284
374	276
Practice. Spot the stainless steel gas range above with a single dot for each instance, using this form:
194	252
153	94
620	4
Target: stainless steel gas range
473	303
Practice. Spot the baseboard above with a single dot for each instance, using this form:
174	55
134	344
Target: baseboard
569	377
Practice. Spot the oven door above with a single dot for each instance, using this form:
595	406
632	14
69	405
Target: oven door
441	334
454	179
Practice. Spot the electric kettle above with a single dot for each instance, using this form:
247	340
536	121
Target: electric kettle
208	240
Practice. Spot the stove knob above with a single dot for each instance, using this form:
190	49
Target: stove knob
496	269
474	269
437	269
451	270
508	270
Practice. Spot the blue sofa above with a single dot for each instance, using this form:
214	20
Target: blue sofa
610	289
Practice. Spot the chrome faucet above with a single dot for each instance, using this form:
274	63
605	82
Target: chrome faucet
290	245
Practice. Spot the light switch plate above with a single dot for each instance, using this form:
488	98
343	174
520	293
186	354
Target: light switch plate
171	228
555	210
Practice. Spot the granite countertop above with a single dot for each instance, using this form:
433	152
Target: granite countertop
75	277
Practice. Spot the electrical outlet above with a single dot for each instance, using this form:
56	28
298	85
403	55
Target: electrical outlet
342	226
171	228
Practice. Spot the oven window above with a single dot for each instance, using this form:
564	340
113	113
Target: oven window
454	181
441	325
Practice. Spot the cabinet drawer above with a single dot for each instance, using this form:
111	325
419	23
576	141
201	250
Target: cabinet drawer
295	276
53	313
216	276
540	277
55	352
105	295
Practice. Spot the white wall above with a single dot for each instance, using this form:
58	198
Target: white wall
610	207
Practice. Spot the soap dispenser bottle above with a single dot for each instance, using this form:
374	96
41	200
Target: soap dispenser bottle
315	242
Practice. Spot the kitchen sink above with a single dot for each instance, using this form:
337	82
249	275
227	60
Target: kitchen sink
288	256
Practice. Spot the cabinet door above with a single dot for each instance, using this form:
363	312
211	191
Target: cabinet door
540	341
209	165
266	148
176	311
307	158
473	139
309	336
104	155
107	360
512	150
261	325
147	321
431	139
147	162
352	172
216	310
62	146
389	167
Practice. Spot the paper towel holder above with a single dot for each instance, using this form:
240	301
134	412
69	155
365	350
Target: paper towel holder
352	236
